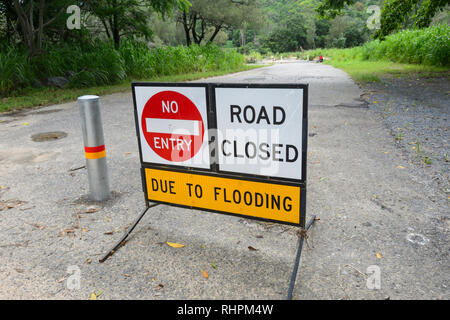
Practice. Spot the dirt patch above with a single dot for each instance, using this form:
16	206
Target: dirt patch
48	136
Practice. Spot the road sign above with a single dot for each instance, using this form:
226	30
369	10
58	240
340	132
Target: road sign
242	146
238	149
256	199
261	130
173	125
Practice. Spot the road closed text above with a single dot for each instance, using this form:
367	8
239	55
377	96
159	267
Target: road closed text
260	131
243	197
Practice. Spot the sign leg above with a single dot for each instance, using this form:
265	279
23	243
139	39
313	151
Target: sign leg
297	257
127	233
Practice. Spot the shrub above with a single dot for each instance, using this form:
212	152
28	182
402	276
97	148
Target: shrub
99	63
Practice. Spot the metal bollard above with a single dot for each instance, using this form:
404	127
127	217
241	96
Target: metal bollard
94	147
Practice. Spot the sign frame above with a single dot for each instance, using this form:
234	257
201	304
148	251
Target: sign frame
213	148
214	165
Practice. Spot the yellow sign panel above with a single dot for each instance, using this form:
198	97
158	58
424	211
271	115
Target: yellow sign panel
249	198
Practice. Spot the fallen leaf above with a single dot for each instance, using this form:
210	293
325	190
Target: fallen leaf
175	245
159	286
127	275
9	204
88	260
127	152
92	209
37	225
379	256
84	229
25	123
68	230
93	296
99	293
214	265
205	274
400	167
109	233
108	219
252	249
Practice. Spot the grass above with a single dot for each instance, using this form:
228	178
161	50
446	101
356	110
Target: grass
99	68
371	71
425	52
31	97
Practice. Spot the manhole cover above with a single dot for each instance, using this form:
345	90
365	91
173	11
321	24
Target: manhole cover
48	136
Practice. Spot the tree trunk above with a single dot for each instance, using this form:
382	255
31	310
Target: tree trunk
186	29
32	37
243	38
216	31
116	32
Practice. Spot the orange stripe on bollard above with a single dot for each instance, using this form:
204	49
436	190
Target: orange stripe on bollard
95	152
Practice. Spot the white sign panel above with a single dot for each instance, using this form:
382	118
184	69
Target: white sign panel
260	131
173	125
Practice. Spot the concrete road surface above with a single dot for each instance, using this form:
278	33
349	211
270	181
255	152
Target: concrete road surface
378	221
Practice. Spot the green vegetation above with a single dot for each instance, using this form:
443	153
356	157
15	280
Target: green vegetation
43	61
31	97
98	64
418	51
113	42
395	14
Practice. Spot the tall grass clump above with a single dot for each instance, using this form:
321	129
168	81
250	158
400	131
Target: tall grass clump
99	63
428	46
142	63
14	69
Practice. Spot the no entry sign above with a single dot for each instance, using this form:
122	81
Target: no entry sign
172	125
230	148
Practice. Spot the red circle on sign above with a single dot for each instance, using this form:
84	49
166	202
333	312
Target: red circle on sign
172	126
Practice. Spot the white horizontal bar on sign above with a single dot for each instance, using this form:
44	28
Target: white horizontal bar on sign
173	126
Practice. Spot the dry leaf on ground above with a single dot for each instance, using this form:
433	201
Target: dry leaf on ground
175	245
92	209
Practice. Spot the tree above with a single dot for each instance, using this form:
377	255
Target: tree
205	19
129	17
394	13
33	17
8	15
291	36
